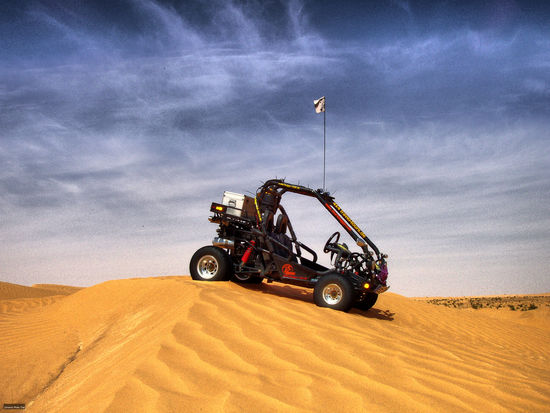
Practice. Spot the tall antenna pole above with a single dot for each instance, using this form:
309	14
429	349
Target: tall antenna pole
324	144
320	107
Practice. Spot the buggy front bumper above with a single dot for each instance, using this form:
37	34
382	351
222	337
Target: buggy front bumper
381	289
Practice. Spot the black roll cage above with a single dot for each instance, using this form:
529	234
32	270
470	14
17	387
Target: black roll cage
268	199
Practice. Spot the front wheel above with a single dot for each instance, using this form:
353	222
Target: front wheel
366	302
211	264
333	291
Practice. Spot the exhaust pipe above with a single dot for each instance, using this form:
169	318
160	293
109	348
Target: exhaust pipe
223	243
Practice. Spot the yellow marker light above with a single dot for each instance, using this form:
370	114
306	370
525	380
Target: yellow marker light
219	208
367	286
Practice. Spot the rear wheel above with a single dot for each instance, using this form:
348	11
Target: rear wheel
211	264
246	279
333	291
366	302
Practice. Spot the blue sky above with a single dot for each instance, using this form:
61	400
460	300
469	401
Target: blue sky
121	121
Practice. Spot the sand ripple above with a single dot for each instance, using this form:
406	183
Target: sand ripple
170	344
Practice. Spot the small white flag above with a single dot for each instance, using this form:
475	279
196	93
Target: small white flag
319	105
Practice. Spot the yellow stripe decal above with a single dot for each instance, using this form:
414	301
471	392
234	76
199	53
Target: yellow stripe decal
289	186
348	219
257	209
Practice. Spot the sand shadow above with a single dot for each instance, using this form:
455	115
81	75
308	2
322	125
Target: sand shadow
300	294
374	312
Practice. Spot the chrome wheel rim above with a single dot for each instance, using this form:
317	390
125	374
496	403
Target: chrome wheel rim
332	294
207	267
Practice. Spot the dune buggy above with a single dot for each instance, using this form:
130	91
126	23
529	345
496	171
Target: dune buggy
256	240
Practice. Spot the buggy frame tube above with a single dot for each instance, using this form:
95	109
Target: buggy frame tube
328	202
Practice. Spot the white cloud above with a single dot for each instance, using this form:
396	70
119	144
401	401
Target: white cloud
109	168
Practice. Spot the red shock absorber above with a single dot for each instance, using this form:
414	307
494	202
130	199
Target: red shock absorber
247	253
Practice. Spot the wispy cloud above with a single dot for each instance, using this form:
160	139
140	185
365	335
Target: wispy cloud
114	145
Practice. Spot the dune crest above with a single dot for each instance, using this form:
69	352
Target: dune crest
58	289
170	344
10	291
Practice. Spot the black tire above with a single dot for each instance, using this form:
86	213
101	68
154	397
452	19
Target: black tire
246	279
367	302
334	291
211	264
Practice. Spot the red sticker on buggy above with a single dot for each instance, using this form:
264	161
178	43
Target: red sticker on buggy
288	270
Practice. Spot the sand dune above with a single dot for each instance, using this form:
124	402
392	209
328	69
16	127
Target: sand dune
16	298
171	344
9	290
58	289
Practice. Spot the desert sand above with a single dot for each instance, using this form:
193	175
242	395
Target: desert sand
170	344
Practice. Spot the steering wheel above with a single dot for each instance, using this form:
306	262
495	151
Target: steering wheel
336	237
